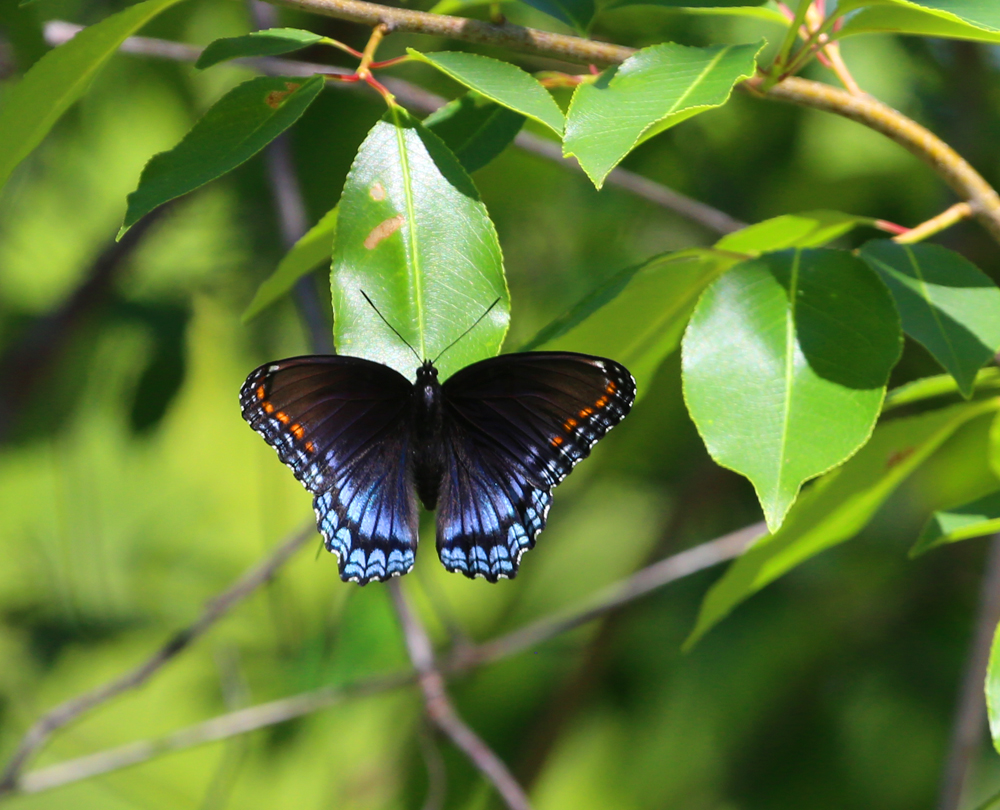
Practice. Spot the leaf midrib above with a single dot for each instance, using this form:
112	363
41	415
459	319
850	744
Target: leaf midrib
411	230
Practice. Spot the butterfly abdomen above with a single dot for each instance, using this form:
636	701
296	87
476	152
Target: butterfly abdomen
426	426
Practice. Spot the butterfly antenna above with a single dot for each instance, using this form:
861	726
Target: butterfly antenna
488	310
393	328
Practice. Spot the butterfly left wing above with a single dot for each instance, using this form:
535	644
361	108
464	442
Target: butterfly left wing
340	424
514	427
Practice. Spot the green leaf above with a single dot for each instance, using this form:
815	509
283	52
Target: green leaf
956	19
313	249
975	519
476	129
236	128
638	315
575	13
33	105
993	447
502	82
715	8
808	229
993	695
837	507
785	363
945	302
651	91
415	237
937	386
269	42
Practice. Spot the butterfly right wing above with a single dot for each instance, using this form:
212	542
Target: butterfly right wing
340	424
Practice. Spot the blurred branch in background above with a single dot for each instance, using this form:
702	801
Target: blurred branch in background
420	100
463	659
970	713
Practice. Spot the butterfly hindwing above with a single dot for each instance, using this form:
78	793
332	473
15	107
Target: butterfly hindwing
514	427
341	425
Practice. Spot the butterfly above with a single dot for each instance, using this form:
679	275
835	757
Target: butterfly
485	448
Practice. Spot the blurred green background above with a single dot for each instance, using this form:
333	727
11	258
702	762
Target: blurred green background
131	491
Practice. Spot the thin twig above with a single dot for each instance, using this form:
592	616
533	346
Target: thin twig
442	711
420	100
69	711
945	219
970	714
658	574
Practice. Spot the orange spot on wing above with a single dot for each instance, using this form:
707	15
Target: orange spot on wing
260	392
611	388
556	441
268	407
585	413
310	447
282	417
297	431
601	402
569	424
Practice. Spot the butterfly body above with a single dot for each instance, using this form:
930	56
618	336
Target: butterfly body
485	448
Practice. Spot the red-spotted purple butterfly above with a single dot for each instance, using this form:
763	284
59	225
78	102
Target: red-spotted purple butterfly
485	448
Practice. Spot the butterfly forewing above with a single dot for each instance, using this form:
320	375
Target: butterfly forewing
341	425
514	427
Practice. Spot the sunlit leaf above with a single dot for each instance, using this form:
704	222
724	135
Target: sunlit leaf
499	81
575	13
651	91
313	249
993	692
476	129
988	379
59	78
956	19
945	302
765	10
638	315
785	363
414	236
269	42
808	229
975	519
837	507
236	128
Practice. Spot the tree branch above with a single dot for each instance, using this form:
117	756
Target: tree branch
69	711
442	711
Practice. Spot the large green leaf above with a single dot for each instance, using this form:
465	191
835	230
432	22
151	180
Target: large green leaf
236	128
988	379
785	363
313	249
808	229
414	236
59	78
945	302
638	315
575	13
499	81
975	519
651	91
475	128
957	19
755	9
269	42
837	507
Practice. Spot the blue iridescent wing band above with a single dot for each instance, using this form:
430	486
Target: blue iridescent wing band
340	424
514	427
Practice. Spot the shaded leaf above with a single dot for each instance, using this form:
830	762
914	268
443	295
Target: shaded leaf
837	507
753	9
59	78
575	13
413	234
236	128
975	519
270	42
987	379
502	82
785	363
945	303
993	694
651	91
475	129
638	315
313	249
808	229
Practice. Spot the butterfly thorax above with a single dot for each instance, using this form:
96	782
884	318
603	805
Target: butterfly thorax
428	454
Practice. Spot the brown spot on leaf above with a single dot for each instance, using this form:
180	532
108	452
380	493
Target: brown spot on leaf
384	230
275	98
899	456
377	192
